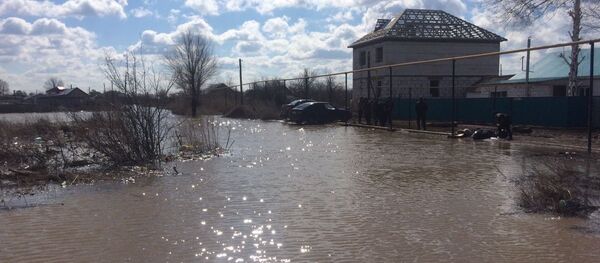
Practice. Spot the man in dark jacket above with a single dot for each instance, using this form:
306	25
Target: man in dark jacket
503	125
421	109
362	104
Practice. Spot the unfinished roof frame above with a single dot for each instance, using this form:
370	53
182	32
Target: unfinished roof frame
427	25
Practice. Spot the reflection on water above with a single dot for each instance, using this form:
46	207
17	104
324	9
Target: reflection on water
315	193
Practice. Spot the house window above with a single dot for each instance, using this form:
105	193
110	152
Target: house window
434	83
559	91
499	94
379	54
363	58
379	83
434	92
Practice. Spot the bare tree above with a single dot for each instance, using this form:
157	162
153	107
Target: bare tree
583	13
3	87
192	64
135	129
53	82
305	83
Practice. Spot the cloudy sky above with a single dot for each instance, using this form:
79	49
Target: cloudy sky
68	39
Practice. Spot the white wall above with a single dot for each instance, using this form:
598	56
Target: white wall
418	77
395	52
544	89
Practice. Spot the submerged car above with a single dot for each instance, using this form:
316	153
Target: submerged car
318	112
287	108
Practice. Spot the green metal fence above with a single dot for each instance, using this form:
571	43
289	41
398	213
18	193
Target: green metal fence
539	111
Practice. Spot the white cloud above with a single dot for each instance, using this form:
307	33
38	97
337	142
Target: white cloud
47	47
174	15
249	31
70	8
14	26
341	16
140	12
204	7
278	27
45	26
154	42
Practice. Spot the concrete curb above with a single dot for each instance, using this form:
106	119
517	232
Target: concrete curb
449	135
396	129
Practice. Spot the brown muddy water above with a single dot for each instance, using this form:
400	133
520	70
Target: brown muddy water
312	194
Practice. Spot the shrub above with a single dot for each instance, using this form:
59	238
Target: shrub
558	187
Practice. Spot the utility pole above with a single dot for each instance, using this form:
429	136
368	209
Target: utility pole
241	85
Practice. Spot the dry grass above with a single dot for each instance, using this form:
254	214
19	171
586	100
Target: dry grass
558	186
39	151
203	136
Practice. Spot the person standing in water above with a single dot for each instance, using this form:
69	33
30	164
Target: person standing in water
421	109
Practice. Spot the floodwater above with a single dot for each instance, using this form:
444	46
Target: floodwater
31	117
306	194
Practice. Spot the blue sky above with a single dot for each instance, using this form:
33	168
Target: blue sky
68	39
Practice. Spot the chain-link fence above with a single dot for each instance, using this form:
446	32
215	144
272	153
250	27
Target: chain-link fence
541	95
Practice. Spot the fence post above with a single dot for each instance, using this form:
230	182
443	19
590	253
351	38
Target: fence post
241	85
329	88
409	107
369	75
453	95
346	92
284	92
591	99
392	110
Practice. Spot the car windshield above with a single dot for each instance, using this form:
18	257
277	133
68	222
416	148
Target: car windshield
329	106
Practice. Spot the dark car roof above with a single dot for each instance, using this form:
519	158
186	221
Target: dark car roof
305	105
296	102
308	104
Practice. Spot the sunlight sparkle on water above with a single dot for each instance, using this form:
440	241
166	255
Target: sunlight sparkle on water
305	249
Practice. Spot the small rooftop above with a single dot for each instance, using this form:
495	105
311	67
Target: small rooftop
427	25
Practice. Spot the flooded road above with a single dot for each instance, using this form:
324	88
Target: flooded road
293	194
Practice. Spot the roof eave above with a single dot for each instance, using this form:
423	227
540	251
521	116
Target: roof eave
378	40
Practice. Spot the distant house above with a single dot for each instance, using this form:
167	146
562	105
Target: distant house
60	97
220	92
218	98
219	89
416	35
549	77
